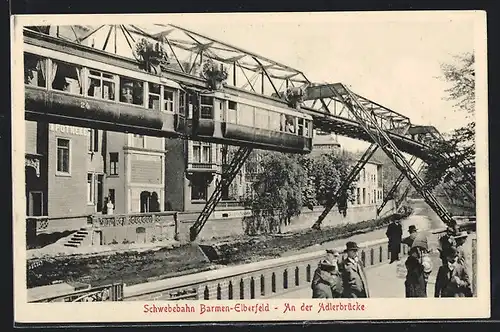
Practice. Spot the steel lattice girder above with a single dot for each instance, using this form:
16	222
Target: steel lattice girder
367	121
396	184
188	48
237	162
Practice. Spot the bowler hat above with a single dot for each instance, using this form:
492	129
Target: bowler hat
351	246
412	228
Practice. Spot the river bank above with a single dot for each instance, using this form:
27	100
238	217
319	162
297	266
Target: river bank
137	267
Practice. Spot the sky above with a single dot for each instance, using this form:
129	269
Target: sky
392	58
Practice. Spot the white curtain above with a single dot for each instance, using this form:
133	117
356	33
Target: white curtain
80	80
42	67
53	73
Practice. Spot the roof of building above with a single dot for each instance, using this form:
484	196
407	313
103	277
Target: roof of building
330	139
373	160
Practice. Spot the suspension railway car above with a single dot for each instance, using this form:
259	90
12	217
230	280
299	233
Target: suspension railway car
70	86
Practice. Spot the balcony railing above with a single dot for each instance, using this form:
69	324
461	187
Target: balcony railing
202	167
114	220
37	224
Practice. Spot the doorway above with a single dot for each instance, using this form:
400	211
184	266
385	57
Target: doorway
149	202
100	198
34	196
35	204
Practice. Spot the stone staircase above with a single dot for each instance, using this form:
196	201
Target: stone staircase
78	238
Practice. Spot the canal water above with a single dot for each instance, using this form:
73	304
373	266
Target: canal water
423	218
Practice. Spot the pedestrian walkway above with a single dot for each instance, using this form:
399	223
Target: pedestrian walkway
384	281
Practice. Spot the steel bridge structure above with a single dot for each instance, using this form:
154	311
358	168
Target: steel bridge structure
333	107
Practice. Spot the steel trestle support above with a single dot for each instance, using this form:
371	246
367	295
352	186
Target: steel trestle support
237	162
345	184
367	122
394	187
408	187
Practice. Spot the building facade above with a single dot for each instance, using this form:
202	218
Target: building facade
65	172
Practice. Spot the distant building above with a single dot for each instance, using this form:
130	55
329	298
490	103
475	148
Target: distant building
325	143
369	187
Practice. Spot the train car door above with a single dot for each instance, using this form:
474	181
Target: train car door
193	116
182	110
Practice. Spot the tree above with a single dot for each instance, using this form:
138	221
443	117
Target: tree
328	172
277	193
458	147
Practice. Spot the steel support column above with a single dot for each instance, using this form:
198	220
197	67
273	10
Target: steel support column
408	187
379	136
394	187
346	183
234	167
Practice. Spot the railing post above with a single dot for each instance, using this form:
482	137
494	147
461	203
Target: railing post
176	226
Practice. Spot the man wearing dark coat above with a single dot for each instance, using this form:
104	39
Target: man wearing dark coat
415	283
447	242
413	234
394	233
327	281
452	279
353	274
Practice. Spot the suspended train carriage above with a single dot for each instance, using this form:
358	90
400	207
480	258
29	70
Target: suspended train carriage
227	118
69	83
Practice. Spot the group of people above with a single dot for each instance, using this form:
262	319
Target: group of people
453	277
339	276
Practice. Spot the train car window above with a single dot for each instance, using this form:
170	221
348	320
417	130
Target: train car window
274	121
309	128
232	112
207	106
154	94
182	103
300	127
35	70
100	85
131	91
246	115
261	118
168	99
66	77
282	122
290	124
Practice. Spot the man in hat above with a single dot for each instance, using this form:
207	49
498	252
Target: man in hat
448	241
353	274
327	281
413	234
394	233
464	251
452	279
332	256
